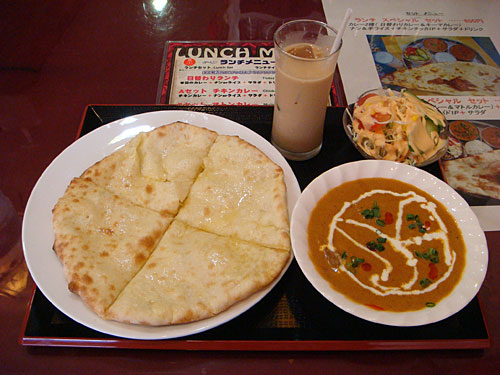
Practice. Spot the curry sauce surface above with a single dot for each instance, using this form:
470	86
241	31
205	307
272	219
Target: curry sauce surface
422	261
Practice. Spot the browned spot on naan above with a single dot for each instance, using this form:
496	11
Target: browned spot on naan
73	287
140	258
79	265
147	241
188	317
87	279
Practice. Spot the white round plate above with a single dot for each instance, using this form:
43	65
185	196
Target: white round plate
38	236
474	238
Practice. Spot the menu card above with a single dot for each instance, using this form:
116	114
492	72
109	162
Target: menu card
222	73
385	38
445	52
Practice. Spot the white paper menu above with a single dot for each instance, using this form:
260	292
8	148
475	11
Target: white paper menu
386	37
389	26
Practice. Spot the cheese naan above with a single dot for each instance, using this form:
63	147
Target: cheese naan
102	241
477	174
193	275
241	194
176	226
155	169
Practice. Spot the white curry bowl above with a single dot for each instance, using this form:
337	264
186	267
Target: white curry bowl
474	239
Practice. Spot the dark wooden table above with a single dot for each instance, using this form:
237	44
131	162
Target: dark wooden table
58	57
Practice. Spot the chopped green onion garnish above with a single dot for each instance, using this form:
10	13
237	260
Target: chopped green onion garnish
354	263
424	283
430	304
380	222
367	214
371	213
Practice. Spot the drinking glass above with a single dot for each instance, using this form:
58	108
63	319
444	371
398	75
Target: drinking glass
305	63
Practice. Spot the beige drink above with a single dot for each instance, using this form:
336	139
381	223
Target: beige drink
304	73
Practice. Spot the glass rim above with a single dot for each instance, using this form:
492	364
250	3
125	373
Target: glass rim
320	23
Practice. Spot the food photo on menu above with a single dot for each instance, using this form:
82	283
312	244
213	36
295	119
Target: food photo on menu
471	164
431	65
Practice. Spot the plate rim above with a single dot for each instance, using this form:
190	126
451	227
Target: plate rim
404	319
112	136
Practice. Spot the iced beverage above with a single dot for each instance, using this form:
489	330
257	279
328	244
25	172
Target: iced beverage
305	64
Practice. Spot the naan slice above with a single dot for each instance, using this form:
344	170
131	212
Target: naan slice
477	174
454	78
155	169
193	275
175	152
241	194
102	241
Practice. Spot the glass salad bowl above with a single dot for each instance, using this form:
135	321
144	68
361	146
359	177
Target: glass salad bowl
385	124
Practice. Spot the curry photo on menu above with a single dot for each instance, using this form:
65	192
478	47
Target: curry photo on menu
437	65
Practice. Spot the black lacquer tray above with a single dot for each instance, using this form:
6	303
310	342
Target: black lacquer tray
293	316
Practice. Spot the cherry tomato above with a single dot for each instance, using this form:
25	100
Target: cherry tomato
376	127
381	117
388	218
366	266
433	271
362	100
